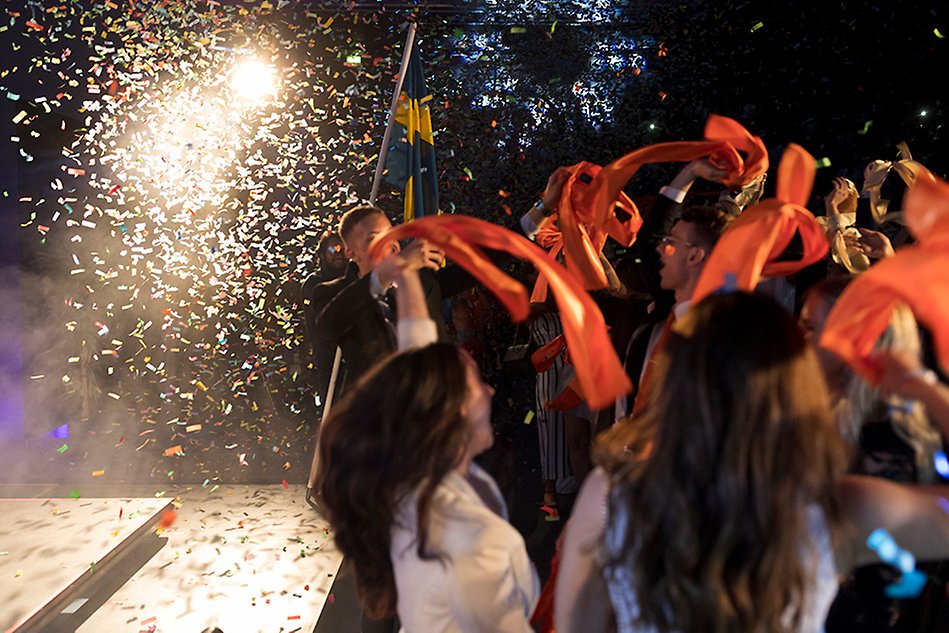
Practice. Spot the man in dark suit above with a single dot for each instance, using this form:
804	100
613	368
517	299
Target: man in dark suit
355	311
664	266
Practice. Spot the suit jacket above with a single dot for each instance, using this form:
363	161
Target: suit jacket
350	317
640	273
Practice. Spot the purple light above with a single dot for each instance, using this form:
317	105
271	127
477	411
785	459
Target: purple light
942	464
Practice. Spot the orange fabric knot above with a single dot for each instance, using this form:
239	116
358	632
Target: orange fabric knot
591	194
750	246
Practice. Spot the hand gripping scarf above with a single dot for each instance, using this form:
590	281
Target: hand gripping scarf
590	195
875	175
599	370
749	247
917	276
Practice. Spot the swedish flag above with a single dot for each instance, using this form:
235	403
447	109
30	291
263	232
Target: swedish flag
411	157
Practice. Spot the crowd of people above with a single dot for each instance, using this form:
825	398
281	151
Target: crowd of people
745	483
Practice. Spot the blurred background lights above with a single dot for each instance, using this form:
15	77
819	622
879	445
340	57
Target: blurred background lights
253	81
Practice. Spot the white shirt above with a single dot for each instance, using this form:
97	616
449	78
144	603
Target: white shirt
484	581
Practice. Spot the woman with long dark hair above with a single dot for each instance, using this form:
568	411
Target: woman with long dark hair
424	526
723	507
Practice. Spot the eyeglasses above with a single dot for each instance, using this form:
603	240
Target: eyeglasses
667	245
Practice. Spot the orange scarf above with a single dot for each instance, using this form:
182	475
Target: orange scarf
599	370
587	211
749	247
917	276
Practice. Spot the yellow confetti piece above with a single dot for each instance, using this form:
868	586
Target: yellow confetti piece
529	417
938	34
19	117
98	473
192	428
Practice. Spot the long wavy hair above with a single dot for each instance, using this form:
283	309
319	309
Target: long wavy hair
401	429
721	469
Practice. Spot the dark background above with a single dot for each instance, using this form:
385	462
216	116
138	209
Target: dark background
520	88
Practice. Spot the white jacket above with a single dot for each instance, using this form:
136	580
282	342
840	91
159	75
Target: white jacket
484	581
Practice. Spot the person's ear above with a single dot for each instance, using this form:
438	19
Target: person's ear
350	255
697	255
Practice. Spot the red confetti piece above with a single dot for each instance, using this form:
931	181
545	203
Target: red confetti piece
285	484
167	519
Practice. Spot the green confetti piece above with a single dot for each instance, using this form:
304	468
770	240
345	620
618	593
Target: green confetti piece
468	173
757	26
553	26
529	417
518	29
62	449
866	128
74	493
823	162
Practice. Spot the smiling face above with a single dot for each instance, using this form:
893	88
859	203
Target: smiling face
358	240
332	257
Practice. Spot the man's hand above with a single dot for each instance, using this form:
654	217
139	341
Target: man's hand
417	255
873	244
423	254
551	195
701	168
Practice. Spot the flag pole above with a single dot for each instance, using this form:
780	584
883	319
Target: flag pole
380	166
312	494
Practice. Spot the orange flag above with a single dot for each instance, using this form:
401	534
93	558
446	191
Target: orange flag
917	276
750	245
599	370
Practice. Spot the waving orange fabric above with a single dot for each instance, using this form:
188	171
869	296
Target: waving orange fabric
750	245
590	195
599	370
917	276
725	137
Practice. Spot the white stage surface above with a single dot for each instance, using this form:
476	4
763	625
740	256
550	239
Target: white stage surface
240	558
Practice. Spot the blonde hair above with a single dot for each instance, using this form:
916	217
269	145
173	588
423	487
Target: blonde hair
908	417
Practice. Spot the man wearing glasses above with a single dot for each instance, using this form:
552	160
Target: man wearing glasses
678	240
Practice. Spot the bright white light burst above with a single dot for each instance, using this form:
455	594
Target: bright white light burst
254	81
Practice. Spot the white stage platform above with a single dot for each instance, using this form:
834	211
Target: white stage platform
240	558
50	548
